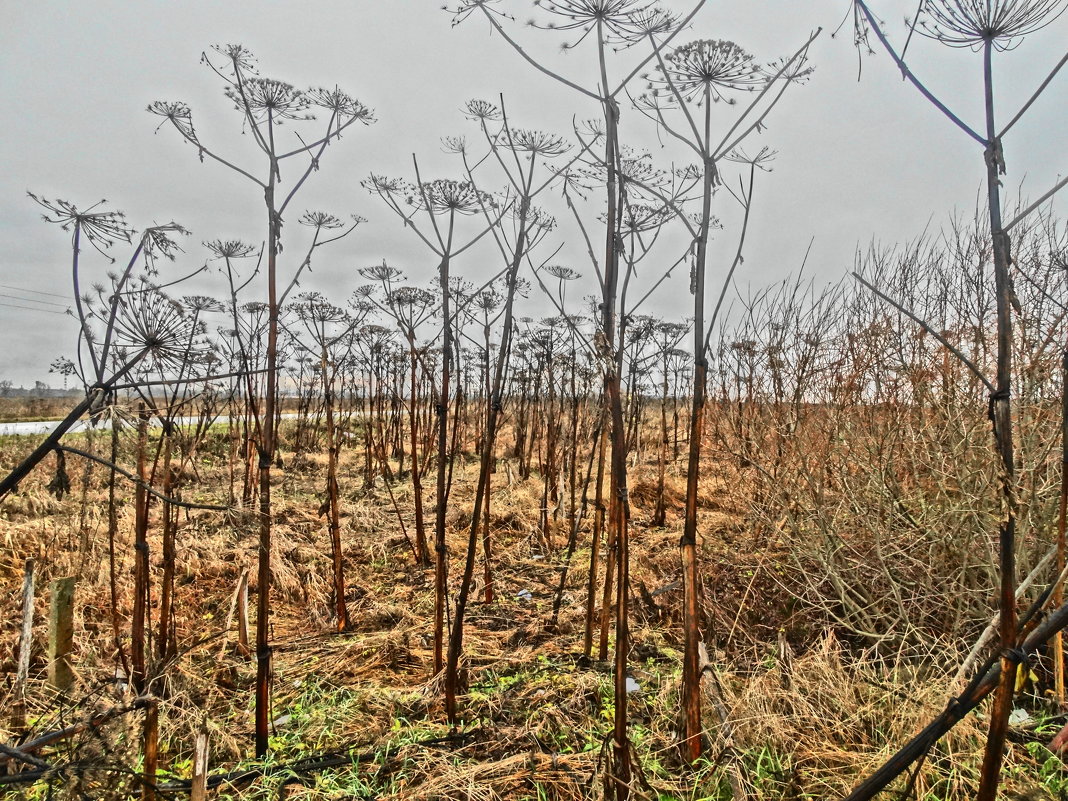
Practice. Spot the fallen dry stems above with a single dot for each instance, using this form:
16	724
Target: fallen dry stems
980	687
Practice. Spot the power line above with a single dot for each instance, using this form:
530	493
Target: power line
31	308
34	291
31	300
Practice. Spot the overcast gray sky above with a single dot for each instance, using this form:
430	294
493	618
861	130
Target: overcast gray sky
857	160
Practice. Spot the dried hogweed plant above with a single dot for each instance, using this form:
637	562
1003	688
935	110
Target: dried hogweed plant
267	108
990	26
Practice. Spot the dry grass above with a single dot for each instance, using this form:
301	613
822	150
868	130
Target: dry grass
16	410
806	713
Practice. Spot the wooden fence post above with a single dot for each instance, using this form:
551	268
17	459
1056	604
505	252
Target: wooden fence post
22	670
198	791
61	634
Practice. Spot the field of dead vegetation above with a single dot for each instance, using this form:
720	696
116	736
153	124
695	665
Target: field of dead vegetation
796	707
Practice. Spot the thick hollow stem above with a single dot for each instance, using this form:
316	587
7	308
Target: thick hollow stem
1001	420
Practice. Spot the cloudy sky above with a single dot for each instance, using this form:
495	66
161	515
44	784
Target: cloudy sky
858	161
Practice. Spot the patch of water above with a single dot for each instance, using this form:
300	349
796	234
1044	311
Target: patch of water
48	426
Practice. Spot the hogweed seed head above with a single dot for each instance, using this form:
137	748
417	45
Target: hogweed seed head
411	297
562	273
230	248
462	9
972	23
101	228
149	320
538	143
706	67
760	160
240	58
383	185
482	110
313	307
447	196
623	21
319	220
161	240
454	144
638	218
340	103
177	113
202	303
265	98
380	272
